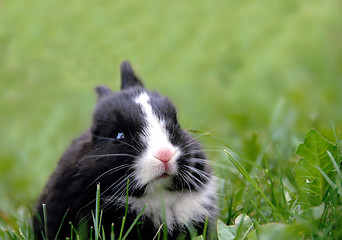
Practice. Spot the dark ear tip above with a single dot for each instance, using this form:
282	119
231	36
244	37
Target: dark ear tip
126	67
128	77
102	90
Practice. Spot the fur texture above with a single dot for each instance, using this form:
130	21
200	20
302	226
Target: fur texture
134	135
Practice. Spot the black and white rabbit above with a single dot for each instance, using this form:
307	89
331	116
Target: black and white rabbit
134	135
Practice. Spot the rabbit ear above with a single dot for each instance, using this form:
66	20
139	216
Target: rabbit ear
102	91
128	77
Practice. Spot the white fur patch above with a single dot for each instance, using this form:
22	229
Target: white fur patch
180	208
148	167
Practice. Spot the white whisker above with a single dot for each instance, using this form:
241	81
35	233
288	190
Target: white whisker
199	172
188	177
109	172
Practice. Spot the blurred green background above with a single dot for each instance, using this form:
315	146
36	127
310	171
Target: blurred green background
236	69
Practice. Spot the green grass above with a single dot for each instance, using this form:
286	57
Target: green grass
255	75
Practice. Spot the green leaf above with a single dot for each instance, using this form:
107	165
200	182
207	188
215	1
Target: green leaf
311	182
225	232
243	226
273	231
311	214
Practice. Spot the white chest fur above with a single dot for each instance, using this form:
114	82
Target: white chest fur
181	208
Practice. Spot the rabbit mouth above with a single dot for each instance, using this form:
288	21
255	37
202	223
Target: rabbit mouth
164	175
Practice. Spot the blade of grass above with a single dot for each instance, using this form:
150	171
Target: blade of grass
163	212
60	226
15	235
158	232
271	185
72	232
100	220
126	210
337	169
112	235
256	208
135	221
245	174
282	189
205	226
338	142
333	185
40	223
138	230
22	234
103	234
45	219
122	227
96	218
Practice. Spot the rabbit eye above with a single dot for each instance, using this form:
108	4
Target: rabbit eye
120	137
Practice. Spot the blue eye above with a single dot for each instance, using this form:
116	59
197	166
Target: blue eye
120	136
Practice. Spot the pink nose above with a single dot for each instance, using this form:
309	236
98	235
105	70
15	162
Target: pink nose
164	155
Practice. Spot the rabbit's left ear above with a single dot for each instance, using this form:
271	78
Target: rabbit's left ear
128	77
102	91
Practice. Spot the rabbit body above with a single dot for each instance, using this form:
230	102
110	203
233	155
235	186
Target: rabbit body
135	142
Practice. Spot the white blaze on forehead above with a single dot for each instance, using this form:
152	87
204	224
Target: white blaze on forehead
144	101
154	131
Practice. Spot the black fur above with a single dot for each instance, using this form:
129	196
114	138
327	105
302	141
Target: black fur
98	157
